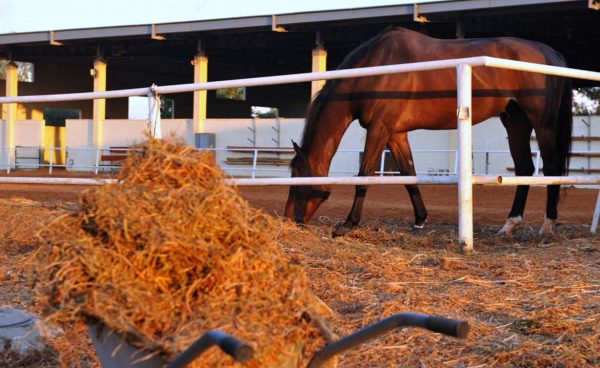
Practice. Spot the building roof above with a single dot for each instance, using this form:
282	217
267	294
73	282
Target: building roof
254	43
246	18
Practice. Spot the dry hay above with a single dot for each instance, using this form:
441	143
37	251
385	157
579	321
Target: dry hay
170	252
531	302
21	220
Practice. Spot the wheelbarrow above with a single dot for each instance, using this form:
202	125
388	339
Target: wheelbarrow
114	352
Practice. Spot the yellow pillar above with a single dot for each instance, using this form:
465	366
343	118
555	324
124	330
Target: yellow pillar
10	115
200	63
99	104
319	64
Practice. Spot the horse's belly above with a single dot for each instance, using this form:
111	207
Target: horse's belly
442	114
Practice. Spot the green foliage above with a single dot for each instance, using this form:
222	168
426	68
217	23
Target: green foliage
237	93
25	70
586	101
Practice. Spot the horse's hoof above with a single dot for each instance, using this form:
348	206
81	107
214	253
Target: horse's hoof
341	230
419	224
509	226
548	226
418	228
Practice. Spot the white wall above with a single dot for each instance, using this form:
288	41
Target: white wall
236	132
28	139
117	132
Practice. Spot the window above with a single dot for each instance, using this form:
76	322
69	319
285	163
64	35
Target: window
167	108
56	116
238	93
25	70
264	112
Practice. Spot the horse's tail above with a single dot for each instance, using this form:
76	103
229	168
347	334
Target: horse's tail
564	129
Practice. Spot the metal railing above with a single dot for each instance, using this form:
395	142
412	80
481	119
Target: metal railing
463	67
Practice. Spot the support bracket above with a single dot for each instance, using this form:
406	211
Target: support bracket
417	17
154	35
274	26
53	40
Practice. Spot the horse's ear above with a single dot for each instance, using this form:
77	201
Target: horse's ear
297	148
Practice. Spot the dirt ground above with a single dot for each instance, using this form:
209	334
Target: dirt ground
531	302
491	204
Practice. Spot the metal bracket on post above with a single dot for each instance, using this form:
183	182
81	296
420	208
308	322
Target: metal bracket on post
418	17
594	4
154	106
274	26
463	113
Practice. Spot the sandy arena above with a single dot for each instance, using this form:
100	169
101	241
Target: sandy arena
532	302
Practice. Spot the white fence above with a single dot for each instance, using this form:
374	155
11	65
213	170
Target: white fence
464	93
255	168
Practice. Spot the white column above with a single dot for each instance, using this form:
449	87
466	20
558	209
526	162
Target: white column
200	63
99	104
319	64
465	180
12	87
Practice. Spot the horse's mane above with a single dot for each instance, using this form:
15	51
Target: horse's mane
315	109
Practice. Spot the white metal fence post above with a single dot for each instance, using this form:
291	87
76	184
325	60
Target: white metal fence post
465	180
154	115
51	161
382	163
254	162
594	225
97	163
8	160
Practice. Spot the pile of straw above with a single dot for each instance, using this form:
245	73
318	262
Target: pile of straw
170	252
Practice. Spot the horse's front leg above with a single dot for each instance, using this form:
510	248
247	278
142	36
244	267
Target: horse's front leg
402	153
374	145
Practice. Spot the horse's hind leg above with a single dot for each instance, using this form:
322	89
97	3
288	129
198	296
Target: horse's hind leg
377	137
518	127
400	148
545	138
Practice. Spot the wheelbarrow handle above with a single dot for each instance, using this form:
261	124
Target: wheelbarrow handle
447	326
239	350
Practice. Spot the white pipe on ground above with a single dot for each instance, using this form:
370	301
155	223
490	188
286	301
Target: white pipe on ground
352	180
57	181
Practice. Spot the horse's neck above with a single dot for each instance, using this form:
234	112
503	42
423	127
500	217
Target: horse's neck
326	138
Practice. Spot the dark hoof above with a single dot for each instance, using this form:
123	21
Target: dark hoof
340	230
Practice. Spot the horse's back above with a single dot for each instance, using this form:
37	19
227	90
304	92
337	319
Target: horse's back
427	99
402	45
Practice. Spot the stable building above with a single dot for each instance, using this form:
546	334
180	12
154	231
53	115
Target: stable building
225	44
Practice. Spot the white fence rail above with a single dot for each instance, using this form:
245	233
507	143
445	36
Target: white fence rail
255	167
463	67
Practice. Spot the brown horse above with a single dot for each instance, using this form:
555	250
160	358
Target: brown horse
389	106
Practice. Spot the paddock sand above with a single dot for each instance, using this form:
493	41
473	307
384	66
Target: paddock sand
532	302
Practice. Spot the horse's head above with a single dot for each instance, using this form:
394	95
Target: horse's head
304	200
